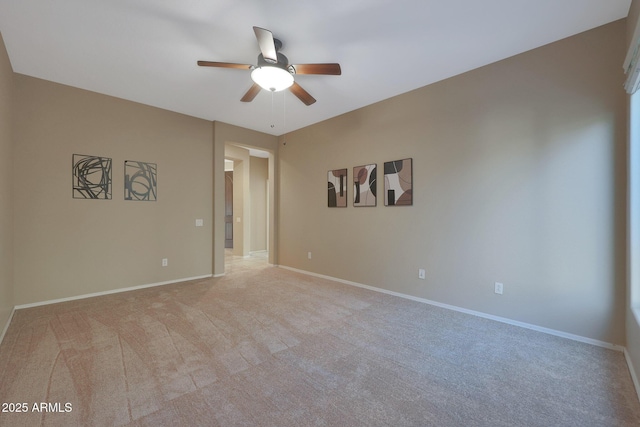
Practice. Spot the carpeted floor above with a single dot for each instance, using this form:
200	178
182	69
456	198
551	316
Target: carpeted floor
263	346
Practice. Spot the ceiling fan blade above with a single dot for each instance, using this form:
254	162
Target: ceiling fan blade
302	94
251	93
326	69
224	65
267	44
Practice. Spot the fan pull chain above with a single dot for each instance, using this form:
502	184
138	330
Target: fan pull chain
284	119
272	121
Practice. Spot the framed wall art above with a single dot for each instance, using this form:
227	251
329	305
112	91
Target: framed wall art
91	177
398	183
140	181
365	185
337	189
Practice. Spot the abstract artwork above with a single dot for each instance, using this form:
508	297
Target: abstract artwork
91	177
140	181
337	188
364	185
398	183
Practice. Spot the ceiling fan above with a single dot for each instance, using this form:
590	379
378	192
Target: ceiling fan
273	71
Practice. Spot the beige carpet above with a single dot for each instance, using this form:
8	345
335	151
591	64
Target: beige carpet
263	346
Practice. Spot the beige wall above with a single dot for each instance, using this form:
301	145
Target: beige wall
519	177
259	179
241	199
66	247
6	188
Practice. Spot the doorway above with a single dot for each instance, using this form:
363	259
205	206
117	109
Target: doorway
246	201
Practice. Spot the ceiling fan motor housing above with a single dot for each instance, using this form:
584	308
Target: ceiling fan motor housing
283	62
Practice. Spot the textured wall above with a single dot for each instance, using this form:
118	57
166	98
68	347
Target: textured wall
6	186
259	176
519	177
66	247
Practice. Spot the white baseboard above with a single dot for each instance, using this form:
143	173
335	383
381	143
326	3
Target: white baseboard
113	291
6	326
467	311
632	372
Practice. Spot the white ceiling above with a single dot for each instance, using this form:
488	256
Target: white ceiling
146	50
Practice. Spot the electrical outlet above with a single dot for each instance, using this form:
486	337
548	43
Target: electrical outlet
309	255
199	222
421	273
165	262
498	287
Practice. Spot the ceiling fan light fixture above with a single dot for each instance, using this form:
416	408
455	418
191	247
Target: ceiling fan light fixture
272	78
